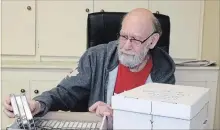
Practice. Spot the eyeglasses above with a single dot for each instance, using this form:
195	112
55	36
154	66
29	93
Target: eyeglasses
134	41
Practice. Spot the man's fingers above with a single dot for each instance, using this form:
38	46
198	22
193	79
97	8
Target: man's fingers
95	105
8	100
7	106
98	111
107	114
9	114
103	110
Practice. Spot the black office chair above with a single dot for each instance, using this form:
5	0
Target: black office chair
103	27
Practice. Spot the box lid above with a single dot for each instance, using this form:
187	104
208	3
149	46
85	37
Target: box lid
175	101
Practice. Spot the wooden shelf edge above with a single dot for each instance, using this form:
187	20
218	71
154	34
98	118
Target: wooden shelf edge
37	65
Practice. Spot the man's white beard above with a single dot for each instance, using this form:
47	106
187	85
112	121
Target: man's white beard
132	61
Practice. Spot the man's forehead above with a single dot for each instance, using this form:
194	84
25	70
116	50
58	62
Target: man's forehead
137	26
137	31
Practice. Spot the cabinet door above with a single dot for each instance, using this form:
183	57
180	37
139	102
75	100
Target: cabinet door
61	27
186	25
11	87
119	5
212	98
39	86
18	27
201	78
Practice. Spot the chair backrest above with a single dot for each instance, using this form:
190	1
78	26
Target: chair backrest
103	27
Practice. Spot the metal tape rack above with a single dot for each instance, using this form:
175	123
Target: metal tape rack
25	120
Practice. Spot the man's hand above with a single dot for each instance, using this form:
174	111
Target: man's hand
101	109
8	110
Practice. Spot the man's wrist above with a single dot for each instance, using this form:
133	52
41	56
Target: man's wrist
38	107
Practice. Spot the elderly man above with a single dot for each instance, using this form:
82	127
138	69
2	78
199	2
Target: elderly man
130	61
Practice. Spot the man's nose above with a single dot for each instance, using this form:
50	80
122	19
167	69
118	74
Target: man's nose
128	45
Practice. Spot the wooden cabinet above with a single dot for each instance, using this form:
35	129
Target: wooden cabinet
186	19
18	27
39	86
31	82
202	77
118	5
61	27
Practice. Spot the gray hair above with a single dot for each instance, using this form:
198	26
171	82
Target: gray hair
156	25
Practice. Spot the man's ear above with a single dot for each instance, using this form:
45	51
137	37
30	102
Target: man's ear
154	40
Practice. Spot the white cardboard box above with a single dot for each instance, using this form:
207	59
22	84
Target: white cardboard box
161	106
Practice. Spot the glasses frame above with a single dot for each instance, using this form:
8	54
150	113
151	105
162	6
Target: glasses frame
126	37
